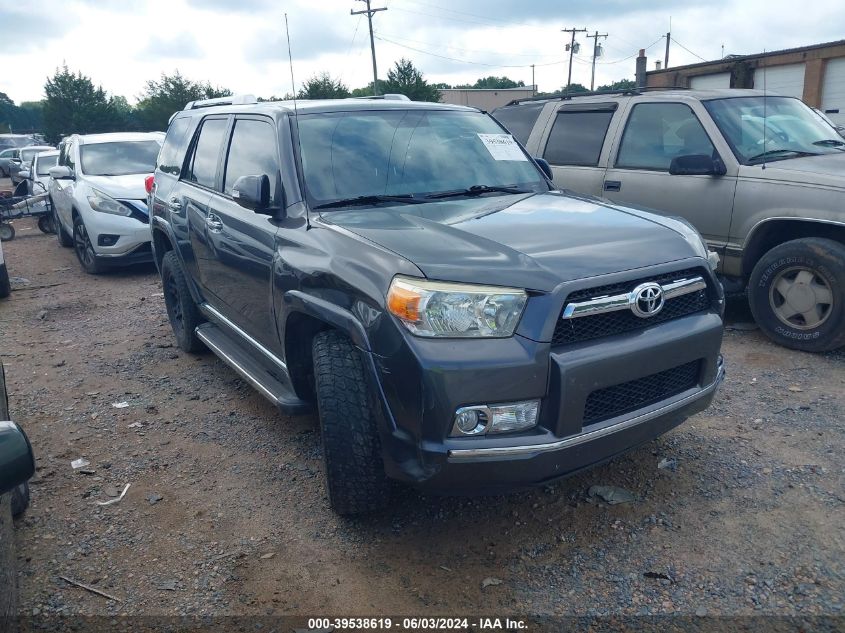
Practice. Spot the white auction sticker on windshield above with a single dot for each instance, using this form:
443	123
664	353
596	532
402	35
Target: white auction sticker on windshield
502	147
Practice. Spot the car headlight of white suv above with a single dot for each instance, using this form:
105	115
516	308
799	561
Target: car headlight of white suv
106	204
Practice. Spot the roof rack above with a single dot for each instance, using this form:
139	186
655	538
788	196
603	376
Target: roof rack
566	96
387	97
231	100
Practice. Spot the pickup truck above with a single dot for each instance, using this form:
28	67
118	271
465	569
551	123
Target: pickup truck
761	177
408	270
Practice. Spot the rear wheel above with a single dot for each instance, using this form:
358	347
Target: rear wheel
84	249
7	232
5	284
20	495
45	223
182	312
348	422
61	235
797	294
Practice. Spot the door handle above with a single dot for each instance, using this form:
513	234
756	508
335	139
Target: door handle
174	205
213	223
612	185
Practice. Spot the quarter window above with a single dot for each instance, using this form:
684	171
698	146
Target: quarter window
252	152
207	152
519	119
658	132
577	137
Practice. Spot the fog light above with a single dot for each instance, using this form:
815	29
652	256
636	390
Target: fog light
104	239
485	419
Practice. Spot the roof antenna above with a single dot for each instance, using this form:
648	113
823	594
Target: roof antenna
765	103
295	111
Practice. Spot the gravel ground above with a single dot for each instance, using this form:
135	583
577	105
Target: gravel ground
227	510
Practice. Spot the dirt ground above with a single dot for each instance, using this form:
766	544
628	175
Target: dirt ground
227	510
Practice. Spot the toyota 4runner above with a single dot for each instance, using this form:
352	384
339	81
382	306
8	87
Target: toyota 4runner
407	268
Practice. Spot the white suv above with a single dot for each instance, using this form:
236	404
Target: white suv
99	199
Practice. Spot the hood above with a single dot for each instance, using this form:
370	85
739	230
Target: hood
526	241
825	170
130	187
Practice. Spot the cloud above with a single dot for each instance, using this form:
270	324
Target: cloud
310	38
238	6
25	31
181	46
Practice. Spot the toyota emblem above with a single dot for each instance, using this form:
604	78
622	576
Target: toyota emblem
647	300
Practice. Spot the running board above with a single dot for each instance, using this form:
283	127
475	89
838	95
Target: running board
270	381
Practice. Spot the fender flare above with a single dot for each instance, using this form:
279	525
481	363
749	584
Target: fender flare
330	313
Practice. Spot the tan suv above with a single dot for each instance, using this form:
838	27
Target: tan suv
762	179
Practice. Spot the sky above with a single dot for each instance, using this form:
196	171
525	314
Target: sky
241	44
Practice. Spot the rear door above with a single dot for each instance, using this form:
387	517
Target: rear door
576	148
62	190
639	176
241	242
189	198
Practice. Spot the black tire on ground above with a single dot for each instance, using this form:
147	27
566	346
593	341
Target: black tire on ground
807	277
7	232
45	223
181	309
84	249
349	412
20	499
5	285
61	235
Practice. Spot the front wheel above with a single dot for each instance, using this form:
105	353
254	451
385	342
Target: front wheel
348	410
84	249
797	294
61	235
45	224
182	312
7	232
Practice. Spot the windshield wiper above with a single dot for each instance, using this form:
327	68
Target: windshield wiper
477	190
796	153
830	142
405	198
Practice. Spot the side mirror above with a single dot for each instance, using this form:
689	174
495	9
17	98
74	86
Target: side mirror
24	174
252	192
697	165
544	166
17	463
61	172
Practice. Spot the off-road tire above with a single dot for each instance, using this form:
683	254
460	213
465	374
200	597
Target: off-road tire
5	284
349	413
84	249
63	238
182	311
826	260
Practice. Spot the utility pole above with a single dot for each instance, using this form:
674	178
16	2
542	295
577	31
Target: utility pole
369	12
571	53
533	83
595	39
666	59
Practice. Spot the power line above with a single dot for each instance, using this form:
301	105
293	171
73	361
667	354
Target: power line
689	51
351	45
463	61
474	15
466	50
370	13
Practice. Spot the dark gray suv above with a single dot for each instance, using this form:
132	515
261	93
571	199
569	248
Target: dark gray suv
406	267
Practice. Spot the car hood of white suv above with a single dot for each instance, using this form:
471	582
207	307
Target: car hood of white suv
827	170
129	187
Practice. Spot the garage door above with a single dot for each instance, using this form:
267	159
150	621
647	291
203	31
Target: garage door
708	82
833	90
784	80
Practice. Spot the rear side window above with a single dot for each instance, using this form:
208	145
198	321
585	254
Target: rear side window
169	158
252	152
577	137
203	169
519	119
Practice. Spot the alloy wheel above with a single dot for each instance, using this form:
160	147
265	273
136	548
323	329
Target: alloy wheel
801	298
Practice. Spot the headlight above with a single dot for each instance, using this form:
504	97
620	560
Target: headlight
105	204
451	310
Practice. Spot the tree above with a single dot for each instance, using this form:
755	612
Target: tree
622	84
405	79
170	94
323	86
493	83
33	114
75	106
367	91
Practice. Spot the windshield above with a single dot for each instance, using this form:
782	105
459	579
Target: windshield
402	152
119	158
28	154
43	164
791	128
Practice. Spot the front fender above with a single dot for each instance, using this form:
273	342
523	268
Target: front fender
340	318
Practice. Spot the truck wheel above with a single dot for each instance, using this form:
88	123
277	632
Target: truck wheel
5	284
20	499
181	310
348	422
797	294
84	249
61	235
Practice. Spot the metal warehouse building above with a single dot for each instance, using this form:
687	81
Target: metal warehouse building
815	74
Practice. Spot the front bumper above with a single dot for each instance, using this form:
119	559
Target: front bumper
416	452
